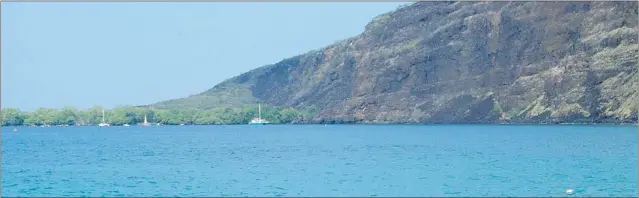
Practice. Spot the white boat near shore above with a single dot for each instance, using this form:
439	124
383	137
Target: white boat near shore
258	120
103	124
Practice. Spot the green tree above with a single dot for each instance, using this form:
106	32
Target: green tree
309	113
12	117
170	117
93	115
133	115
30	119
121	115
289	115
206	117
45	116
67	115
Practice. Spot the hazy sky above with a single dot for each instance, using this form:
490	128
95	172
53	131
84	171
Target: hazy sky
108	54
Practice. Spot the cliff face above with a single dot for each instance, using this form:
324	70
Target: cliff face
464	62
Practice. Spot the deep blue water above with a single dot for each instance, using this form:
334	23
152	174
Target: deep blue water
318	160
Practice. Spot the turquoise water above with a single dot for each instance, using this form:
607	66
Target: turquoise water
318	160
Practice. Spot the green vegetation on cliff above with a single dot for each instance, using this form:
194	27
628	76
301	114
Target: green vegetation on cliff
134	115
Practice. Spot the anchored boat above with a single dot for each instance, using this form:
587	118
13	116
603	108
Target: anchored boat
258	120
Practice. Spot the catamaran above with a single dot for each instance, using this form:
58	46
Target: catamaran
258	120
103	121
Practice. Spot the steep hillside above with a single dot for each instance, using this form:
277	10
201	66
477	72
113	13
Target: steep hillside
464	62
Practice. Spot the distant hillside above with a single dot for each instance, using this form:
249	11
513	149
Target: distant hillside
460	62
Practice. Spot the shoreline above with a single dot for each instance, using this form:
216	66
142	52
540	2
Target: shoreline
365	124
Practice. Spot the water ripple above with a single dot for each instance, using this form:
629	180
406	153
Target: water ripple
320	161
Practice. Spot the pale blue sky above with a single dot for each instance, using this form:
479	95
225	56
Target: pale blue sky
108	54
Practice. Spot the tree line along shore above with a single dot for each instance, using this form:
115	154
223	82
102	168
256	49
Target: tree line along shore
70	116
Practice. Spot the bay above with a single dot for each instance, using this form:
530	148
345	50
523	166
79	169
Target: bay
321	160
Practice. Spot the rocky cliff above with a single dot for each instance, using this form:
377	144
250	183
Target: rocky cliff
461	62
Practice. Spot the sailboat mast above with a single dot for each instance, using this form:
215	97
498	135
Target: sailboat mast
259	111
103	116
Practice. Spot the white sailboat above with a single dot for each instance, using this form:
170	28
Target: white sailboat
103	121
258	120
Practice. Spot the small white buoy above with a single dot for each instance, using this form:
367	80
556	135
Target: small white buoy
569	191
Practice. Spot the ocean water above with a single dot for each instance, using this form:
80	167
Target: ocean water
318	160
